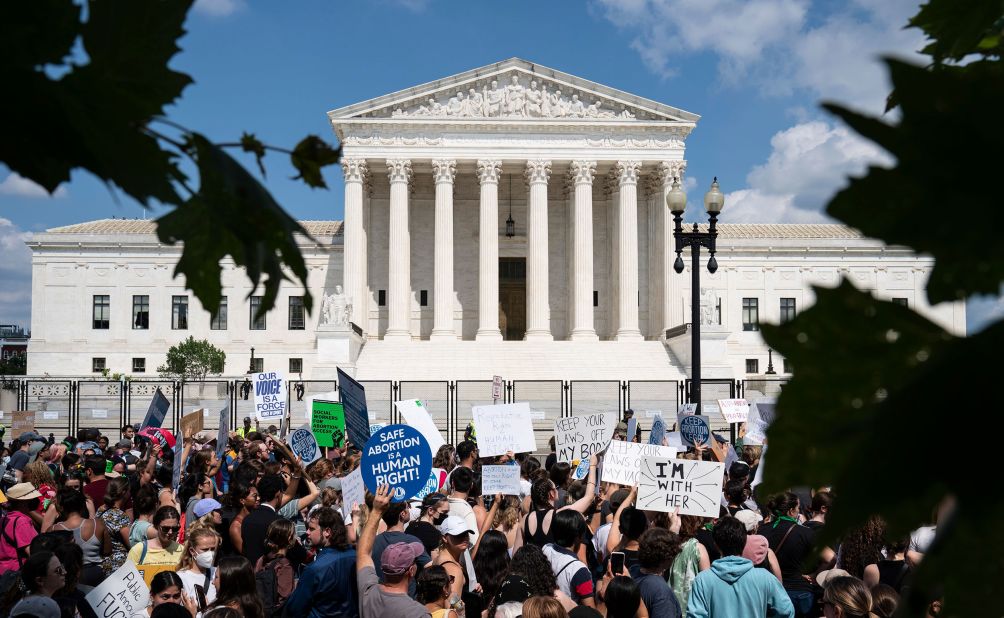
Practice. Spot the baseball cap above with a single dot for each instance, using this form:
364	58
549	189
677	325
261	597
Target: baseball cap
398	557
206	506
23	491
28	436
34	450
756	548
36	605
455	526
124	444
748	518
826	576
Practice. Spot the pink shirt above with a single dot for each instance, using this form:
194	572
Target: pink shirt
17	527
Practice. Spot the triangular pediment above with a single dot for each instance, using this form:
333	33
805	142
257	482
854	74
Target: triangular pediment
512	90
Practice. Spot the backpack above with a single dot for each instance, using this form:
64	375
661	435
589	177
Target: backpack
267	583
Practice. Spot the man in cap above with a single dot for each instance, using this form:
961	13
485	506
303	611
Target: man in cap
398	564
396	516
22	455
16	529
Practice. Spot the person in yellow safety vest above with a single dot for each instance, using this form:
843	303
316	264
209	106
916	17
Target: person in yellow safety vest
243	431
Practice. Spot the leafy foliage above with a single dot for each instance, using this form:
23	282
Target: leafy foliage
874	404
193	360
100	109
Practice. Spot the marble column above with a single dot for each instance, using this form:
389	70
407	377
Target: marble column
489	172
399	262
443	173
582	173
627	261
538	317
354	277
672	299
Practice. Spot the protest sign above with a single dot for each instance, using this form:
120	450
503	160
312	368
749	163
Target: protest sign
304	445
157	410
652	413
123	593
269	396
22	421
418	416
157	435
500	480
497	387
734	410
357	418
581	471
192	423
632	429
666	484
674	439
578	437
686	409
353	492
398	456
760	417
375	427
502	428
623	459
179	450
223	435
658	433
694	429
327	421
432	485
758	475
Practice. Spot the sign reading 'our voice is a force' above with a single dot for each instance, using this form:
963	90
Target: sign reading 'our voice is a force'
269	396
398	456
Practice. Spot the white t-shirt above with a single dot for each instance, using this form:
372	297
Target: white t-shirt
600	541
921	539
191	579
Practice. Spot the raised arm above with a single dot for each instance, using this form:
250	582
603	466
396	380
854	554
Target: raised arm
365	548
614	538
487	525
582	504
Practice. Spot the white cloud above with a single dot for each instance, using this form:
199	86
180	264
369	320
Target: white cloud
218	8
15	272
15	184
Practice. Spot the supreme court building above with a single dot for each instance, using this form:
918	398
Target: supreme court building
508	220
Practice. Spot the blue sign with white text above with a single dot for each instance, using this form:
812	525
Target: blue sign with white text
694	429
357	417
399	456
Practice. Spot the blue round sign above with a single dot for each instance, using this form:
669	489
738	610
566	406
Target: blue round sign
399	456
304	445
694	429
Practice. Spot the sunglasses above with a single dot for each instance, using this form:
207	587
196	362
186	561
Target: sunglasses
170	529
60	570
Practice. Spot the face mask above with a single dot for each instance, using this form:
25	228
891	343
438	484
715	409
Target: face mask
205	559
440	519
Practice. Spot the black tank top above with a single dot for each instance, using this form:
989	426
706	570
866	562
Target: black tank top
538	538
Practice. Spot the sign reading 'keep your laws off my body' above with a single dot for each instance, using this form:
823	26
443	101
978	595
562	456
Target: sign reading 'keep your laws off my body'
579	437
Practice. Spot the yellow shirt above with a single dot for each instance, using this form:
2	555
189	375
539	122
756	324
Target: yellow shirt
156	560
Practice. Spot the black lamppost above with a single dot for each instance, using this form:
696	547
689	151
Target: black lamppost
251	366
676	201
770	363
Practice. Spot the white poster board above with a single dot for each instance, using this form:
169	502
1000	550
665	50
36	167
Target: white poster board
503	428
623	460
353	492
734	410
123	593
686	409
694	487
500	480
760	417
269	396
579	437
417	415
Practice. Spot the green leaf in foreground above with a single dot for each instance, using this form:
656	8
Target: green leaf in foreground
309	156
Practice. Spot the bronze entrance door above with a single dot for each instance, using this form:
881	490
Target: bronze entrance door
512	298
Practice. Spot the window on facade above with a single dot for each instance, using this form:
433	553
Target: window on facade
98	364
256	323
140	312
296	365
751	314
297	320
258	364
179	313
902	301
219	321
139	365
787	366
423	298
381	298
596	298
787	309
752	365
101	311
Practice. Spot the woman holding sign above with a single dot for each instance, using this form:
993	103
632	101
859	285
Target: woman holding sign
543	493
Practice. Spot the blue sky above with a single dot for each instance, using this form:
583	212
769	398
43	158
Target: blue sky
753	69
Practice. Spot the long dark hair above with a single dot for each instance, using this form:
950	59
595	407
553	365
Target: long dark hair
190	486
530	563
431	584
491	563
164	580
237	586
622	597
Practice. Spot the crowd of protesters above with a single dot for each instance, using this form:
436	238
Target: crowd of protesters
254	533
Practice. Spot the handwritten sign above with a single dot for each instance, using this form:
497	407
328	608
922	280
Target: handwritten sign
223	435
502	428
123	593
686	409
760	418
327	421
500	480
353	492
418	416
623	460
695	429
658	433
579	437
192	423
397	455
22	421
269	396
304	445
694	487
734	410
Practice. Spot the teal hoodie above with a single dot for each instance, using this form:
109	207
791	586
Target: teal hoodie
732	587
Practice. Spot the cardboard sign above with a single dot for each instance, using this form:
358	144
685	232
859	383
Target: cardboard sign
327	421
432	485
658	433
269	396
695	487
22	421
579	437
497	387
623	460
223	435
502	479
695	429
157	410
357	417
418	416
353	492
397	455
503	428
304	445
734	410
123	593
192	423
